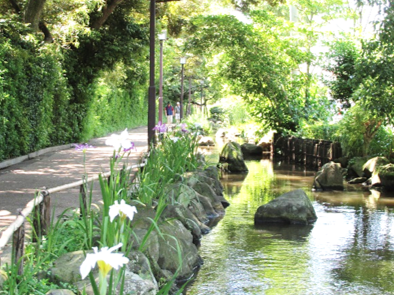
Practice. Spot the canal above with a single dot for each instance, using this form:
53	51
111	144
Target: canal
349	249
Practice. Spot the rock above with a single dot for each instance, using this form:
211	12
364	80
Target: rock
344	161
215	185
251	150
161	247
198	210
60	292
355	168
206	203
135	284
180	193
66	267
206	191
139	264
383	176
232	158
329	177
357	180
221	133
187	218
293	207
214	182
265	144
177	237
212	172
3	278
372	164
206	141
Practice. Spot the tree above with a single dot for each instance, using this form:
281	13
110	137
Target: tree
256	61
341	61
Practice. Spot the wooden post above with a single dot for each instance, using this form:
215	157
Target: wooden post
82	192
41	216
18	245
46	214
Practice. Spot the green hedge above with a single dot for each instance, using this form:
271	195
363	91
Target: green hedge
38	106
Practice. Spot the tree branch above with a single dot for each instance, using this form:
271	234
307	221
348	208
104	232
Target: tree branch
47	34
107	11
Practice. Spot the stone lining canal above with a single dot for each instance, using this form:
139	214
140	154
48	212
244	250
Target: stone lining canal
349	250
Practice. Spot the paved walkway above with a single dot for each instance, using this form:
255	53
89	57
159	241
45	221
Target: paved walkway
19	182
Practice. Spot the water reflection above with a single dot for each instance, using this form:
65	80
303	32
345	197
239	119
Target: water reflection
349	250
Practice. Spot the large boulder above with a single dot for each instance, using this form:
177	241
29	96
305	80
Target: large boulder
329	177
355	167
251	150
383	176
373	164
232	159
293	207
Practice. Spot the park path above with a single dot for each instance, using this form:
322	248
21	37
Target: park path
19	182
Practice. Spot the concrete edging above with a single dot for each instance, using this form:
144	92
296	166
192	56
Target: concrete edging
14	161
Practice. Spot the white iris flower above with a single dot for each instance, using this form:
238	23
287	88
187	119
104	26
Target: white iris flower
119	141
105	259
122	209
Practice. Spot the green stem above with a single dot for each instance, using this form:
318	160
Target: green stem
103	284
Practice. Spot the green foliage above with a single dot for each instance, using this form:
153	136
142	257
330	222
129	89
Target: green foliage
176	154
359	133
258	62
342	56
34	100
319	130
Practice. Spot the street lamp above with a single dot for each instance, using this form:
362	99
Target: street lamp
162	37
152	88
183	61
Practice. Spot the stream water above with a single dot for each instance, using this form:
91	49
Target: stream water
349	249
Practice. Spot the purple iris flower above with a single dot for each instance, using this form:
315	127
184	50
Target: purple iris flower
131	147
183	128
160	127
82	146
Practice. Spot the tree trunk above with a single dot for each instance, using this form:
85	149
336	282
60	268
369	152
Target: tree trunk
33	12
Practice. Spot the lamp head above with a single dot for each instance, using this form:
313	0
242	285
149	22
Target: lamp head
163	36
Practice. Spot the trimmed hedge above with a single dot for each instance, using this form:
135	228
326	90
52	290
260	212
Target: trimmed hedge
39	107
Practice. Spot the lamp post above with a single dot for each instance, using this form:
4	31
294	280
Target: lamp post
152	88
183	61
189	105
202	83
162	37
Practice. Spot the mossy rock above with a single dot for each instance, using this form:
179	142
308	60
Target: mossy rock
232	158
373	164
383	177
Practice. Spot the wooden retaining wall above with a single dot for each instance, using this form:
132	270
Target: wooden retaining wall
308	152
